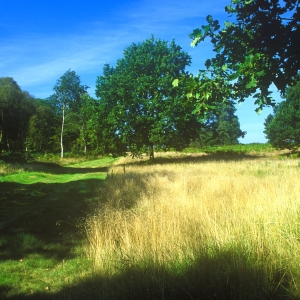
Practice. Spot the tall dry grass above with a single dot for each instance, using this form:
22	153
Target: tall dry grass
211	230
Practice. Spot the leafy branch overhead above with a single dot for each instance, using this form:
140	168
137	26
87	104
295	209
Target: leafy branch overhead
258	46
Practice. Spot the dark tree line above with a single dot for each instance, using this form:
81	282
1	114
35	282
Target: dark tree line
137	109
282	128
16	108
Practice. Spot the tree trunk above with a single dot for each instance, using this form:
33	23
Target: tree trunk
62	132
200	141
83	138
151	152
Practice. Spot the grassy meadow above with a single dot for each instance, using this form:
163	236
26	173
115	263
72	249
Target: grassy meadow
224	224
42	206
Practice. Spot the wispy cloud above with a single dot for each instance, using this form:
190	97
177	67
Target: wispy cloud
35	61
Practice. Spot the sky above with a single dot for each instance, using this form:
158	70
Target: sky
40	40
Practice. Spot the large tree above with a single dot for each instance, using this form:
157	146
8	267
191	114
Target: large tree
142	108
16	107
282	128
257	46
68	91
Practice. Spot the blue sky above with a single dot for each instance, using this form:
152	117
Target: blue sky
40	40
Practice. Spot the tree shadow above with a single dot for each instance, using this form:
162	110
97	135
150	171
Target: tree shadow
48	211
217	277
33	216
180	158
60	170
291	154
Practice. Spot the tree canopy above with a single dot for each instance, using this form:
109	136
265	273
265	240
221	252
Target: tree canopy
68	91
137	110
282	128
258	46
16	107
142	108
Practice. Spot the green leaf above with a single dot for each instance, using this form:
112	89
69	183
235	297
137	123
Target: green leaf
261	73
258	110
209	18
227	24
229	9
234	76
175	82
189	95
252	83
224	67
195	41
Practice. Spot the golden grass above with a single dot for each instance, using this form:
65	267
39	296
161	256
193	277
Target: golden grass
230	228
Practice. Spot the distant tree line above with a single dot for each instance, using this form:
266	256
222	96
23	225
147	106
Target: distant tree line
282	128
148	101
136	109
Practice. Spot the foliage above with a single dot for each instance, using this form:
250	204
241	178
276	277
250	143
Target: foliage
237	149
220	127
258	47
282	127
16	108
91	125
142	109
41	129
67	99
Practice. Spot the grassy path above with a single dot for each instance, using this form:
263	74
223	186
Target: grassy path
40	209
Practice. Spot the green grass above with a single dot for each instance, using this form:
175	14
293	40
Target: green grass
41	208
40	177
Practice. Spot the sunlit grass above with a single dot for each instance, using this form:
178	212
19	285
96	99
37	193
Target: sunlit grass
41	207
216	230
25	173
34	177
186	226
36	274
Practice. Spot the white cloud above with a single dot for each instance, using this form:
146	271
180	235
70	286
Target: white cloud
35	61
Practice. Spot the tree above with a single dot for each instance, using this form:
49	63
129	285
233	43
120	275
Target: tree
16	107
90	123
220	127
282	128
228	124
142	108
258	47
67	97
41	129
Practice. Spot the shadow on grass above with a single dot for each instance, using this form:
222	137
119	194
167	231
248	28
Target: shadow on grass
60	170
227	275
33	216
46	212
186	158
291	154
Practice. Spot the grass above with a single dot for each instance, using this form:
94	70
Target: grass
238	149
185	226
41	208
210	230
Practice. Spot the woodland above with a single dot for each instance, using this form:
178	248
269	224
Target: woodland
208	218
